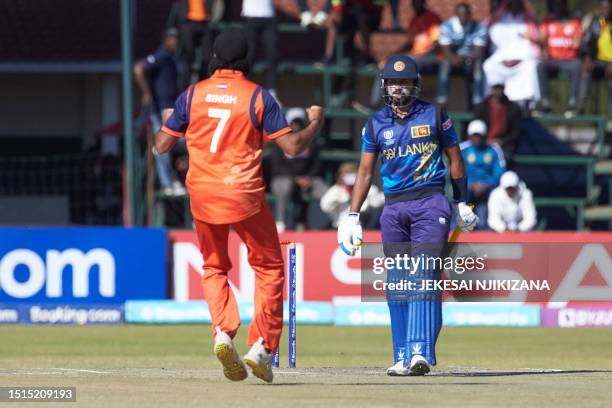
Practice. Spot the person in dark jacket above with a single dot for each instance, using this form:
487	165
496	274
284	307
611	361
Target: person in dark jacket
301	172
156	76
191	18
503	118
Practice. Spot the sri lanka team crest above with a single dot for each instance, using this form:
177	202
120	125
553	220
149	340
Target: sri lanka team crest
420	131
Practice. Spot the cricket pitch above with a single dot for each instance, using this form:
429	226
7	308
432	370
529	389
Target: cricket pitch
158	366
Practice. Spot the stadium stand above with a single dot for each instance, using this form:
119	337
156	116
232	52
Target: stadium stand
565	161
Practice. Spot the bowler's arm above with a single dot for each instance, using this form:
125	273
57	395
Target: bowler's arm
295	142
163	141
364	180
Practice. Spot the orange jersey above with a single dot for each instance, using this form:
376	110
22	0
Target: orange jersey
424	30
226	119
196	10
562	38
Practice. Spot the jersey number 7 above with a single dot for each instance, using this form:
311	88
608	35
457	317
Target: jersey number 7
223	115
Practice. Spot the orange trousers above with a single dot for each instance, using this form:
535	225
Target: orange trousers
264	254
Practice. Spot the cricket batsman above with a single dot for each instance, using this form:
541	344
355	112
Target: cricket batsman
410	136
225	120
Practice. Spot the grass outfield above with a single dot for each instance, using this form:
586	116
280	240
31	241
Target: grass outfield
174	366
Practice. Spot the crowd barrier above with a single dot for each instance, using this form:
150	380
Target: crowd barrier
140	275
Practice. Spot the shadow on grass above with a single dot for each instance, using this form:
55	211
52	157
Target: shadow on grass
469	373
403	384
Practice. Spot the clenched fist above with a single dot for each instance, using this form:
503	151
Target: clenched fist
315	113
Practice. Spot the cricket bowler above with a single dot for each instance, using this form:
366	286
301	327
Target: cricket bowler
410	136
225	120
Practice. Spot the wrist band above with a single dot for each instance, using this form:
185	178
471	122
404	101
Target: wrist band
460	190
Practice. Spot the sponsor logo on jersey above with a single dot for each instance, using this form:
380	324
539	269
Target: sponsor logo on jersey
420	131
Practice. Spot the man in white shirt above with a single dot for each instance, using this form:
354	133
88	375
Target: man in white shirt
336	201
511	206
515	39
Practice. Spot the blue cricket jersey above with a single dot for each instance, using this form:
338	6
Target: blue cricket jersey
483	164
410	149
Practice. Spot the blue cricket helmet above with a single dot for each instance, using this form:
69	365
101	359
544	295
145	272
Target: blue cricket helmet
400	67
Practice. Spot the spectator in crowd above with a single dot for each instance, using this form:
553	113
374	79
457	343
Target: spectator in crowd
422	37
422	45
295	173
336	201
511	206
156	76
514	37
261	24
191	17
561	37
309	18
351	18
597	47
463	41
484	165
503	118
395	14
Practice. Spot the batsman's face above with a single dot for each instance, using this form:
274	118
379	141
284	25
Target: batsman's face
399	82
401	92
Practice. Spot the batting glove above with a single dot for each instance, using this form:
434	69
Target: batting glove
466	219
350	234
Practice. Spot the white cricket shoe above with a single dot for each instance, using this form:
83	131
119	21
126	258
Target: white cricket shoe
398	370
260	361
233	368
178	189
419	365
